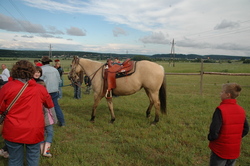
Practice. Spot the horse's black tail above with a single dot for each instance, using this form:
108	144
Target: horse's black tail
163	96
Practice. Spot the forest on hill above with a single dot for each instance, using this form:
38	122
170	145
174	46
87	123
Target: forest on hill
103	56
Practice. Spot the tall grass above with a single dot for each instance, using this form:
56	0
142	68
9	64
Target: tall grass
180	137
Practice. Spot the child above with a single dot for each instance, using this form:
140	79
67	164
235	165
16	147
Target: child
50	119
116	61
77	86
229	125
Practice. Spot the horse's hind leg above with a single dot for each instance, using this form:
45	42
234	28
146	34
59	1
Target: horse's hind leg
111	109
154	100
151	103
157	107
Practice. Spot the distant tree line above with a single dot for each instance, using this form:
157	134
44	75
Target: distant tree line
104	56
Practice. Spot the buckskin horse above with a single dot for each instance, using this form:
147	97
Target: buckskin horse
146	74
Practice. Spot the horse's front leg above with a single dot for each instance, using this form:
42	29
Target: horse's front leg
96	102
111	109
149	109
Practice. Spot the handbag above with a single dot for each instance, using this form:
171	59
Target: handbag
2	117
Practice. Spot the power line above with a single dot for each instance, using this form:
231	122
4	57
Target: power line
18	10
225	33
22	15
199	33
19	22
13	16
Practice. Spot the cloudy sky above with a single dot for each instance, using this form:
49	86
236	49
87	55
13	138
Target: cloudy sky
127	26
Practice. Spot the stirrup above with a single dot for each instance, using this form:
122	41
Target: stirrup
108	94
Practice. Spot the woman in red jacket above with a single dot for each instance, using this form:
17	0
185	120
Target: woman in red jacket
24	123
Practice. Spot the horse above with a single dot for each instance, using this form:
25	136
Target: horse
147	75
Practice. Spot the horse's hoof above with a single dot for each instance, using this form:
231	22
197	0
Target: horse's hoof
112	121
153	123
92	120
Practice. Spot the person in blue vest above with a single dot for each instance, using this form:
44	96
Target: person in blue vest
228	126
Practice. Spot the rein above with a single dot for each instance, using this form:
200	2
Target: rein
94	72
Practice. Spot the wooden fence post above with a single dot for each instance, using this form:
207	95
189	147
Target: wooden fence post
201	81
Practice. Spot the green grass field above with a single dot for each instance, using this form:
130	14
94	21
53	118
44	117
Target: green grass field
179	139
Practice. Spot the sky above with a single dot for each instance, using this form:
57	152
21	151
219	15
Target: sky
143	27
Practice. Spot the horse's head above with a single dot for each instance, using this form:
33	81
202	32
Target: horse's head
76	70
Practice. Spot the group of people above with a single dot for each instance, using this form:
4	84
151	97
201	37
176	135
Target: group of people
34	113
32	116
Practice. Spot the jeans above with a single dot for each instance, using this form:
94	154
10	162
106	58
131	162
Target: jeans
77	90
16	152
49	132
60	89
59	113
60	93
87	91
217	161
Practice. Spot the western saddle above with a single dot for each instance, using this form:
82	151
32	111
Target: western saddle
113	71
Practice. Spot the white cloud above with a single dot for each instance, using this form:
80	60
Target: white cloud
16	25
54	30
227	24
74	31
26	36
155	38
119	31
9	24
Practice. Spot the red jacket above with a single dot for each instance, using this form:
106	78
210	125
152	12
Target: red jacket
39	64
227	146
24	122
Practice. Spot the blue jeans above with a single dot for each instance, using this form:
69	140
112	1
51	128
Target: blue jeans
59	113
16	152
49	132
60	93
77	90
60	89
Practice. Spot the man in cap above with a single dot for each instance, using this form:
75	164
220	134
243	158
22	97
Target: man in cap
52	79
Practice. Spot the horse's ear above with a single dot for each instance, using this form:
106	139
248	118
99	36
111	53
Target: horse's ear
75	58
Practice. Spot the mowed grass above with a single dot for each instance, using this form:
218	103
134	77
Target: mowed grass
179	139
